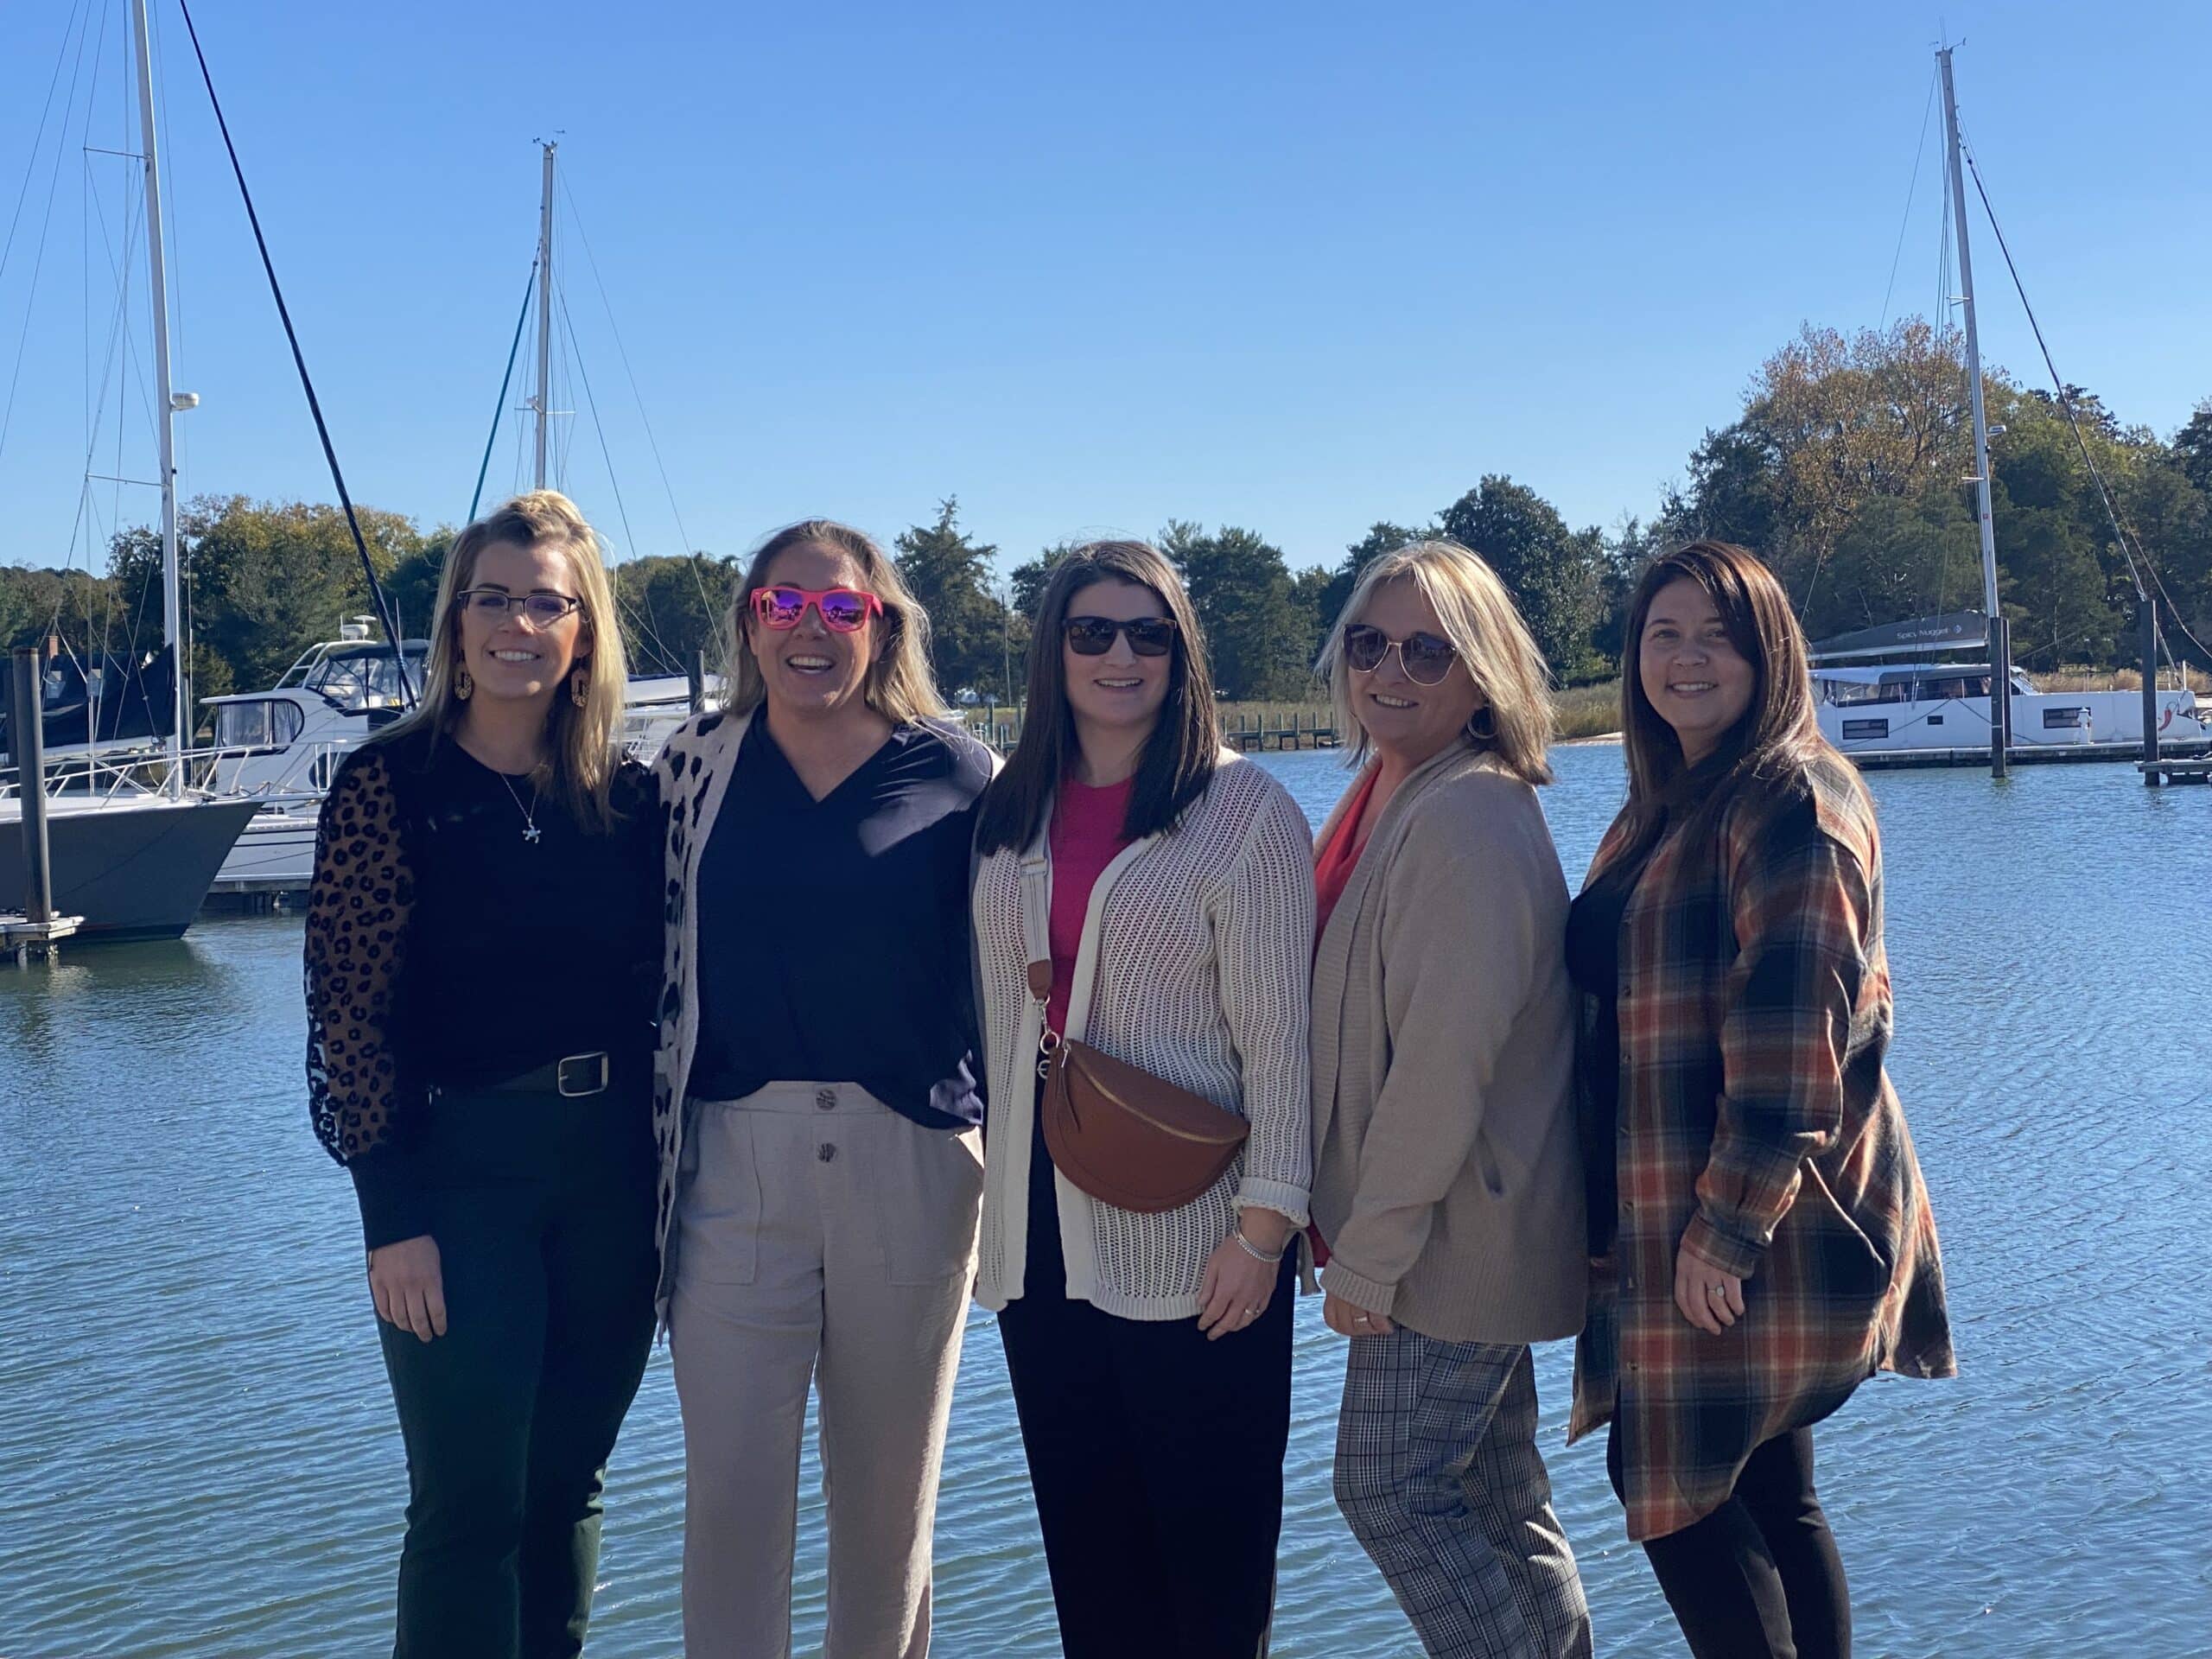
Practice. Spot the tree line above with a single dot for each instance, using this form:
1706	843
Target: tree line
1848	467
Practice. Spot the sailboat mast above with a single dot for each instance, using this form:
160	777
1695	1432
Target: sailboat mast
543	402
2000	668
164	401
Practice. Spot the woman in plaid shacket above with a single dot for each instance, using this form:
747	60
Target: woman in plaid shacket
1761	1235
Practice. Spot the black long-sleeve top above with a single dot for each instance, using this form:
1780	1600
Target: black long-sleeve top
834	934
444	947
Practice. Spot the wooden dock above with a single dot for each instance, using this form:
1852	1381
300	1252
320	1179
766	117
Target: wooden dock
26	941
2187	769
2056	754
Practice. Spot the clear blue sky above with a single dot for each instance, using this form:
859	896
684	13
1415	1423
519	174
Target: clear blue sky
1298	267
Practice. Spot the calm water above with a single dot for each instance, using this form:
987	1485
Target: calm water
196	1424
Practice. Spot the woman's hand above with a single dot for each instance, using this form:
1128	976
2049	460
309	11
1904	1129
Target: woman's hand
1709	1298
409	1286
1350	1319
1238	1286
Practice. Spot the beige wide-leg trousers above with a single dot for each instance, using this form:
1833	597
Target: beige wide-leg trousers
819	1236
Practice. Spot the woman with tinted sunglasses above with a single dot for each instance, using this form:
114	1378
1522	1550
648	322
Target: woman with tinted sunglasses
483	950
1447	1192
1149	1353
821	1165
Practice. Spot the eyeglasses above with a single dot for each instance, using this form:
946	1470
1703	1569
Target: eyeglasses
1425	658
843	610
1093	636
542	608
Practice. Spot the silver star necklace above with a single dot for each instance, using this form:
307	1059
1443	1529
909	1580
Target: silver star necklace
530	831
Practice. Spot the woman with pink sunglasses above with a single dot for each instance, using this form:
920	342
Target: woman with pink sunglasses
816	1100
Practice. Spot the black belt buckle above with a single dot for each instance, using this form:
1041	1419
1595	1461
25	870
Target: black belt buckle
580	1074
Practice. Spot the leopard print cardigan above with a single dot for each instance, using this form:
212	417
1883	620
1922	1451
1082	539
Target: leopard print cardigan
692	775
358	904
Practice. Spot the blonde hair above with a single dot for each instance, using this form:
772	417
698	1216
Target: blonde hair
580	741
900	686
1480	619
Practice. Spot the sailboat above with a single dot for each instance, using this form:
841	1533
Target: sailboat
282	744
1871	704
133	858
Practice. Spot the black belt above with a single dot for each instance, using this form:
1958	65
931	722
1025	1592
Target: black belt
573	1077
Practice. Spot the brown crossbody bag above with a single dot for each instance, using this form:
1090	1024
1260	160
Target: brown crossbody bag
1119	1134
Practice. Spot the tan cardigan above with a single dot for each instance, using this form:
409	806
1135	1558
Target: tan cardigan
1448	1178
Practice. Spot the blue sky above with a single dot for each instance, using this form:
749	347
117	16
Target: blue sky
1298	267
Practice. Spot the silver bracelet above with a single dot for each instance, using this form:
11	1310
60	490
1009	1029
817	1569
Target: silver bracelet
1254	1250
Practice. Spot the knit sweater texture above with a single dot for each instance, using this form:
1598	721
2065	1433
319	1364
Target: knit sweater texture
1194	965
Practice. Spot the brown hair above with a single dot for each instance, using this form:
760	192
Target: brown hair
900	686
1178	758
1480	619
1779	730
580	741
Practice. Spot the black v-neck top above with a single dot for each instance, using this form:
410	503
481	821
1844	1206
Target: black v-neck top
834	934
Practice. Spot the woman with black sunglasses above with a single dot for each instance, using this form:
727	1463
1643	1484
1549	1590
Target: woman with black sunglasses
821	1165
1169	885
482	942
1447	1190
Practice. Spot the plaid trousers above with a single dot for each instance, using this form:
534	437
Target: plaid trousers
1438	1475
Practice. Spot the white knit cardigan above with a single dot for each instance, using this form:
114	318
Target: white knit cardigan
1195	963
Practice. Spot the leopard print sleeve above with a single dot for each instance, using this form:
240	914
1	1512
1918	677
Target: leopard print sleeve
358	908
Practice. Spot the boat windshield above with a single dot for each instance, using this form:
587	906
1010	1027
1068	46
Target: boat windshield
360	677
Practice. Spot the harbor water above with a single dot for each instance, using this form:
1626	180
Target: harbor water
202	1448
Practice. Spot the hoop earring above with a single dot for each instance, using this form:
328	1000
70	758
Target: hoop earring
579	688
1482	725
464	685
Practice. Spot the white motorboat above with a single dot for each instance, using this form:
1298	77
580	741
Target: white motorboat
1877	709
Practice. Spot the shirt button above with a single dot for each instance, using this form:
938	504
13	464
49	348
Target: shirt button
825	1152
825	1098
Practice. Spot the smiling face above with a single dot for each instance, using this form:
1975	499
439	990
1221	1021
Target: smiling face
1119	691
1406	721
1695	677
811	671
510	658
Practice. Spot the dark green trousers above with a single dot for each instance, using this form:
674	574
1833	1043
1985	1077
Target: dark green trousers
542	1211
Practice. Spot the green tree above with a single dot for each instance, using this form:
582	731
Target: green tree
674	605
1381	538
1029	580
1260	641
971	634
1554	574
2192	447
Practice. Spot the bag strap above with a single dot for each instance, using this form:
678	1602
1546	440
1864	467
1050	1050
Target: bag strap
1036	910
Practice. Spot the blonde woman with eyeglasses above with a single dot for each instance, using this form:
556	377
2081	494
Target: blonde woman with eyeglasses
482	935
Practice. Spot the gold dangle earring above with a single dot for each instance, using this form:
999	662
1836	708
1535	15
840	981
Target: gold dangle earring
579	688
464	684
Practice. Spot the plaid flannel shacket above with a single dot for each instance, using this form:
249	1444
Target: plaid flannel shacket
1758	1127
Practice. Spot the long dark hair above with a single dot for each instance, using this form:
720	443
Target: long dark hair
1179	756
1779	730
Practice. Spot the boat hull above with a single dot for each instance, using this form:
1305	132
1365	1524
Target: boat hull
136	869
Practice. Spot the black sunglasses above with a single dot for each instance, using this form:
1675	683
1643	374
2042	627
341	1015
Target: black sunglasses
1093	636
1425	658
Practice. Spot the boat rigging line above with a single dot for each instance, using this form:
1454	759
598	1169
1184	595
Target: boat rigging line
314	406
1927	114
2135	567
498	413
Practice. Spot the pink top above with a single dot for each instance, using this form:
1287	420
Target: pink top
1085	837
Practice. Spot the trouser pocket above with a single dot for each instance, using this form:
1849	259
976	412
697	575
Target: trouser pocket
718	1213
925	1187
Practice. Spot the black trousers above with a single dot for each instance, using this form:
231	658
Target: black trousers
1156	1457
542	1211
1759	1578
